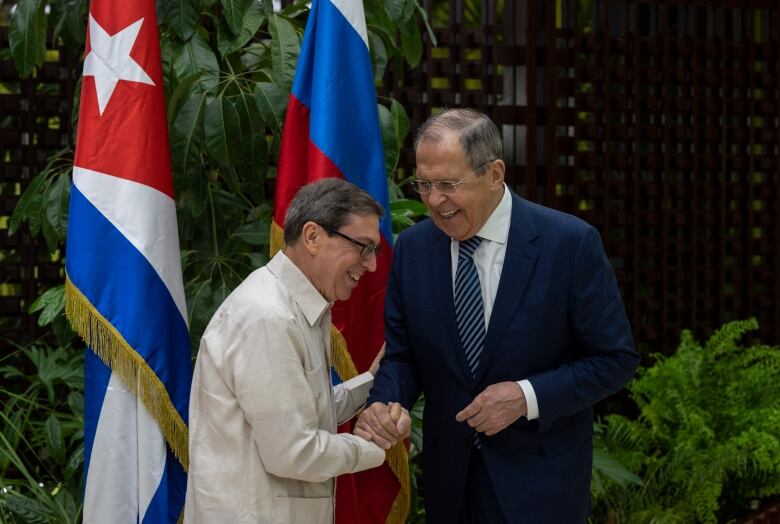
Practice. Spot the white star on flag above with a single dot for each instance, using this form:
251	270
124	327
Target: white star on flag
109	59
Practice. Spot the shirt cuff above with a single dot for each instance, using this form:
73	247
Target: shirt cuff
530	399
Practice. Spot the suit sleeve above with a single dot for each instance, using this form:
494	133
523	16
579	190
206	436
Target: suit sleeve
600	332
397	379
263	367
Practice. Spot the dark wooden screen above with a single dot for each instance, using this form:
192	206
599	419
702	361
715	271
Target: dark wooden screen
35	120
657	122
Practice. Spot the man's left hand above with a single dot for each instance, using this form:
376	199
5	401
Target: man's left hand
495	408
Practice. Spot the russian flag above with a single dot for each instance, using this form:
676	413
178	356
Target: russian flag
124	292
332	130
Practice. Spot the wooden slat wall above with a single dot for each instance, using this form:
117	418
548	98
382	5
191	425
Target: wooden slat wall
35	120
656	121
658	124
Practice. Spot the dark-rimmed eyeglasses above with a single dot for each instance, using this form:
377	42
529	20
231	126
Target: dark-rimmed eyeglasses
367	249
445	187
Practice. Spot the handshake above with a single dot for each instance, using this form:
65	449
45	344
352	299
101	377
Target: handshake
384	424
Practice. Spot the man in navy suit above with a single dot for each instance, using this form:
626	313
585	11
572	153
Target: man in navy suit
507	316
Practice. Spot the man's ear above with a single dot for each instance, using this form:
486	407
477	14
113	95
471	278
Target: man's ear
311	237
497	172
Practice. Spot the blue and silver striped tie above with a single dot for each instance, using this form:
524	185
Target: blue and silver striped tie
469	311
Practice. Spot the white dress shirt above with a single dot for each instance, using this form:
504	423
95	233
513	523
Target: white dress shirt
489	259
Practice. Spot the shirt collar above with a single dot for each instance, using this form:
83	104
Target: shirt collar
303	292
496	228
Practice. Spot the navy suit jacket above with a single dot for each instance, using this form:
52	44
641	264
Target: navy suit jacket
558	321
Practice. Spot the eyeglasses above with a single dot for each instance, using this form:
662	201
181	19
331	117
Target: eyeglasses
445	187
367	249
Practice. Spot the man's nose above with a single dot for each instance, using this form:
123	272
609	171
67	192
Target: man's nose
370	263
436	197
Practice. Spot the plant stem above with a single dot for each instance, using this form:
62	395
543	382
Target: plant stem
213	220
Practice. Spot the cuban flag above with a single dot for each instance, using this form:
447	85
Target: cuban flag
124	292
332	130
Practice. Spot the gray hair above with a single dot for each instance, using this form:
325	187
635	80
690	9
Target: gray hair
478	135
328	202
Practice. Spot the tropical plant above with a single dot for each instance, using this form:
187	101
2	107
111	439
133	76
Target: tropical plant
707	441
228	66
41	443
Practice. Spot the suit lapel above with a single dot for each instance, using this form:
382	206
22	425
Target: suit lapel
519	264
441	276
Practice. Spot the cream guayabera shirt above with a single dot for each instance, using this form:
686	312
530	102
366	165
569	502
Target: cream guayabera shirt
263	412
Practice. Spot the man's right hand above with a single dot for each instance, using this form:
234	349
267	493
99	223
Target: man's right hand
384	424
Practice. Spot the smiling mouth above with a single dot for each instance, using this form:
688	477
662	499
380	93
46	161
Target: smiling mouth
448	214
354	276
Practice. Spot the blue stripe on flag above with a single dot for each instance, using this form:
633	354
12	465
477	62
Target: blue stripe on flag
173	487
339	92
126	290
96	377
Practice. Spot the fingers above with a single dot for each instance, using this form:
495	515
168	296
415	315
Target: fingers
395	412
470	410
404	424
377	417
363	433
377	360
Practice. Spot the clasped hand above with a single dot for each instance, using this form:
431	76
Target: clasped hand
495	408
384	424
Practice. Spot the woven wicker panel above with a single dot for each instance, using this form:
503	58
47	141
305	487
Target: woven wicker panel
35	120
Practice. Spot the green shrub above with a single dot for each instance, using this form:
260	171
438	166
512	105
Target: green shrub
707	440
42	440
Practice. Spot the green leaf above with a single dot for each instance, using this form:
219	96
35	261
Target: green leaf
253	19
255	233
25	207
57	205
379	55
76	403
183	89
610	468
29	509
223	131
187	137
400	121
271	101
394	9
54	441
411	42
389	139
75	461
253	156
34	216
51	302
27	36
49	235
233	11
183	16
285	47
196	56
408	207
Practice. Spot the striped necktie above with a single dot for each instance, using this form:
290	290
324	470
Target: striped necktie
469	312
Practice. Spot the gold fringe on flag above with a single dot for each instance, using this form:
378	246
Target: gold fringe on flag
397	456
398	460
277	238
109	345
